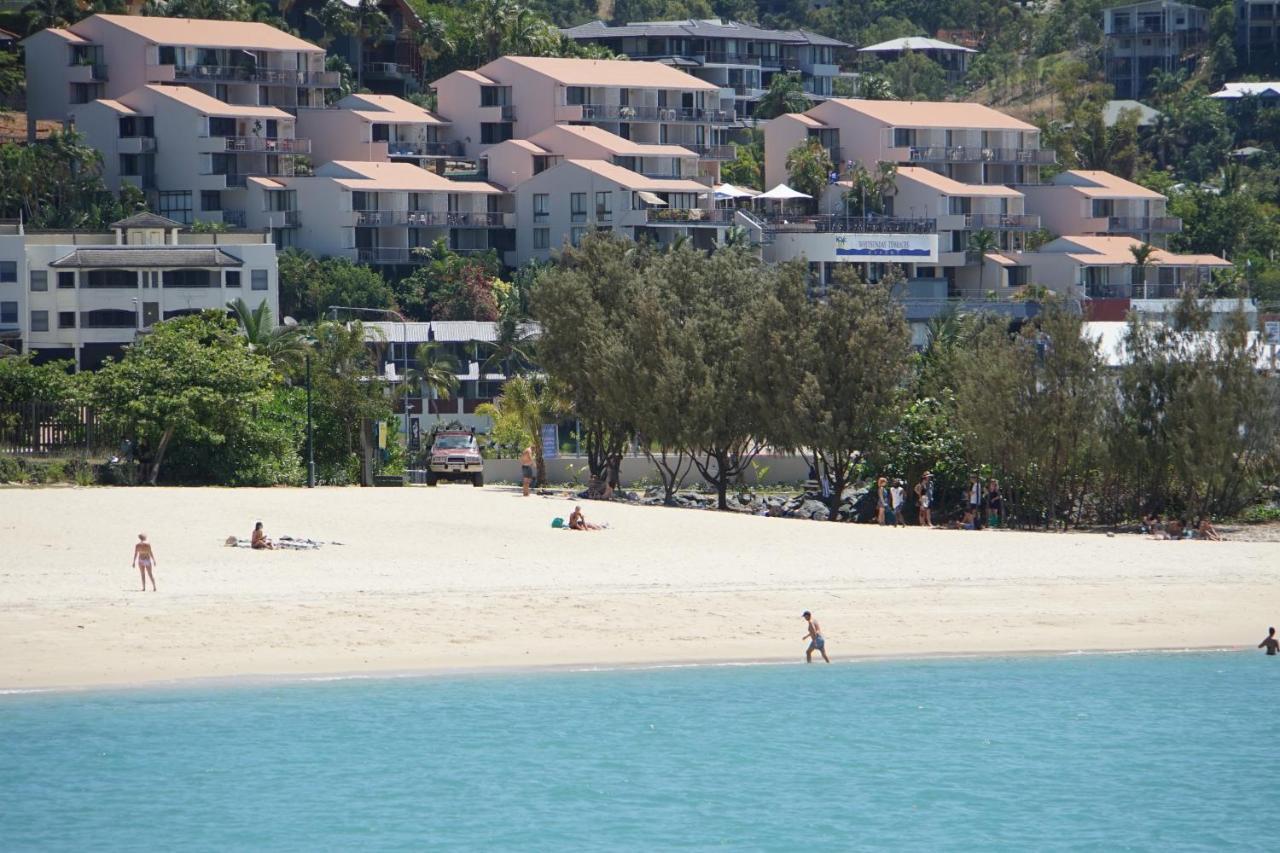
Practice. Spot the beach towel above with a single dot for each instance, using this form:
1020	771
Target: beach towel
292	543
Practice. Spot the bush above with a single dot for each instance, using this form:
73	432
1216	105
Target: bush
1260	514
10	470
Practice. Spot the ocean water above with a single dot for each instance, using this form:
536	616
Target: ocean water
1093	752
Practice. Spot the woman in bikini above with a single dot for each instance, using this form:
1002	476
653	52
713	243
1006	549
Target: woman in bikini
144	559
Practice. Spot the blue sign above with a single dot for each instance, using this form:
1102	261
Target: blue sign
550	441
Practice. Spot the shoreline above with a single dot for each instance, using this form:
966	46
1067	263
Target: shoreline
288	679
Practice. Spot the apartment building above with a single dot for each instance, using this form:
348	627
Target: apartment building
740	57
516	97
191	153
952	58
84	296
1099	204
377	128
1258	33
108	56
1142	38
563	203
381	213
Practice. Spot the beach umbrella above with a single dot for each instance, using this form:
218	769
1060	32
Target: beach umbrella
728	191
782	192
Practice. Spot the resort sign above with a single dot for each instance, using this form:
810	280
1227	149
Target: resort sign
857	248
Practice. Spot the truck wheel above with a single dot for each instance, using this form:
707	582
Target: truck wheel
431	479
478	480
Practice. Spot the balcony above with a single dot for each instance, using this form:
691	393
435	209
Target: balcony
719	57
389	70
714	152
688	216
969	154
246	74
1144	224
136	144
617	112
234	218
142	182
88	72
427	219
1002	221
258	144
830	223
425	149
283	218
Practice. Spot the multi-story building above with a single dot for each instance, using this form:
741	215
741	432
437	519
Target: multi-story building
516	97
377	128
1100	204
83	296
952	58
738	57
381	213
108	56
191	153
1142	38
1258	33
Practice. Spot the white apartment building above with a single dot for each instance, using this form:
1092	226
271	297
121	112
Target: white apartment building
1094	203
377	128
191	153
84	296
108	56
516	97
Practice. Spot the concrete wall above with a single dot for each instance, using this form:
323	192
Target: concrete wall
782	470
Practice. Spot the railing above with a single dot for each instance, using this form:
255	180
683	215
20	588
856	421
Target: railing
425	149
506	112
970	154
687	216
387	69
270	145
720	57
252	74
425	218
234	218
714	152
40	428
618	112
98	72
1159	224
141	144
284	218
830	223
1136	291
1002	221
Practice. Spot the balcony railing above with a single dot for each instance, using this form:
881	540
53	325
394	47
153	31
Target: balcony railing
618	112
425	149
234	218
506	112
1135	291
972	154
828	223
284	218
1002	221
253	74
1149	224
255	144
387	69
714	152
687	216
427	219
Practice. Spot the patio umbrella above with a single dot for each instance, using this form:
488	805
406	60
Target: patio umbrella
782	192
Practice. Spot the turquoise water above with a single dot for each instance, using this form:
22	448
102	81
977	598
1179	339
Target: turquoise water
1175	751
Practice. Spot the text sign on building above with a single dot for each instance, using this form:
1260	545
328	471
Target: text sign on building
1271	328
857	248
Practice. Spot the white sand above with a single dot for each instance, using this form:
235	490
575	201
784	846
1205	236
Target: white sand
457	577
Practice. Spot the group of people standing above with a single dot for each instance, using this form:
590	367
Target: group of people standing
983	506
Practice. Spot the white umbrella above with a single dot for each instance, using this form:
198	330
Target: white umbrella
730	191
782	192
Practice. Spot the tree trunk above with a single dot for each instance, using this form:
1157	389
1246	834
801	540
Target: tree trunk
154	474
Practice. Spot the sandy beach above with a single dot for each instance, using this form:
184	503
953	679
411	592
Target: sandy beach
463	578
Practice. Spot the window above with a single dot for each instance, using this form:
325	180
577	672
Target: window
495	96
604	205
491	132
233	278
8	271
176	206
542	238
221	126
381	133
575	95
541	207
576	235
578	207
66	319
259	281
903	137
112	278
109	318
39	321
188	278
39	280
8	313
66	280
210	200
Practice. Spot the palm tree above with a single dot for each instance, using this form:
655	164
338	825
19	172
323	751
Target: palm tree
42	14
785	95
1142	253
529	402
809	166
436	373
283	346
981	242
873	87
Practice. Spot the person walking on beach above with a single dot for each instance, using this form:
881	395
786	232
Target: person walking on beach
975	499
816	641
1271	644
898	496
884	505
145	559
526	469
995	504
924	499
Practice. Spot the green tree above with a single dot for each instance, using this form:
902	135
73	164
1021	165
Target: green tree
980	243
309	285
809	167
347	400
192	380
747	167
525	404
1142	254
915	77
283	346
451	286
436	374
784	95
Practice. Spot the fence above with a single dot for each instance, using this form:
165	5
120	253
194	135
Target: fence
51	429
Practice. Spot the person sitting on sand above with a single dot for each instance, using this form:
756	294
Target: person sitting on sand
1174	529
144	559
816	641
260	542
1271	644
1206	530
577	521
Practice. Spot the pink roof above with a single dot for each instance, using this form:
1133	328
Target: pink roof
1115	251
599	72
116	106
934	114
948	186
636	181
243	35
211	106
65	35
611	142
398	177
1099	184
807	121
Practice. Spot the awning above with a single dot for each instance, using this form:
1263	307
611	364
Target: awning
650	198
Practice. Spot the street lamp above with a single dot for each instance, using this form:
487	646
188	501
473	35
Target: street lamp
311	444
404	332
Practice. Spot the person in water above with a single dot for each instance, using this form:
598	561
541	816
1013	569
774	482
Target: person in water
260	542
815	638
1271	644
144	559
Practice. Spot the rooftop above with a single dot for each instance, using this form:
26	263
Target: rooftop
146	220
699	28
388	108
913	43
241	35
396	177
930	114
634	180
1115	251
611	142
1097	184
948	186
208	105
600	72
147	256
1269	89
